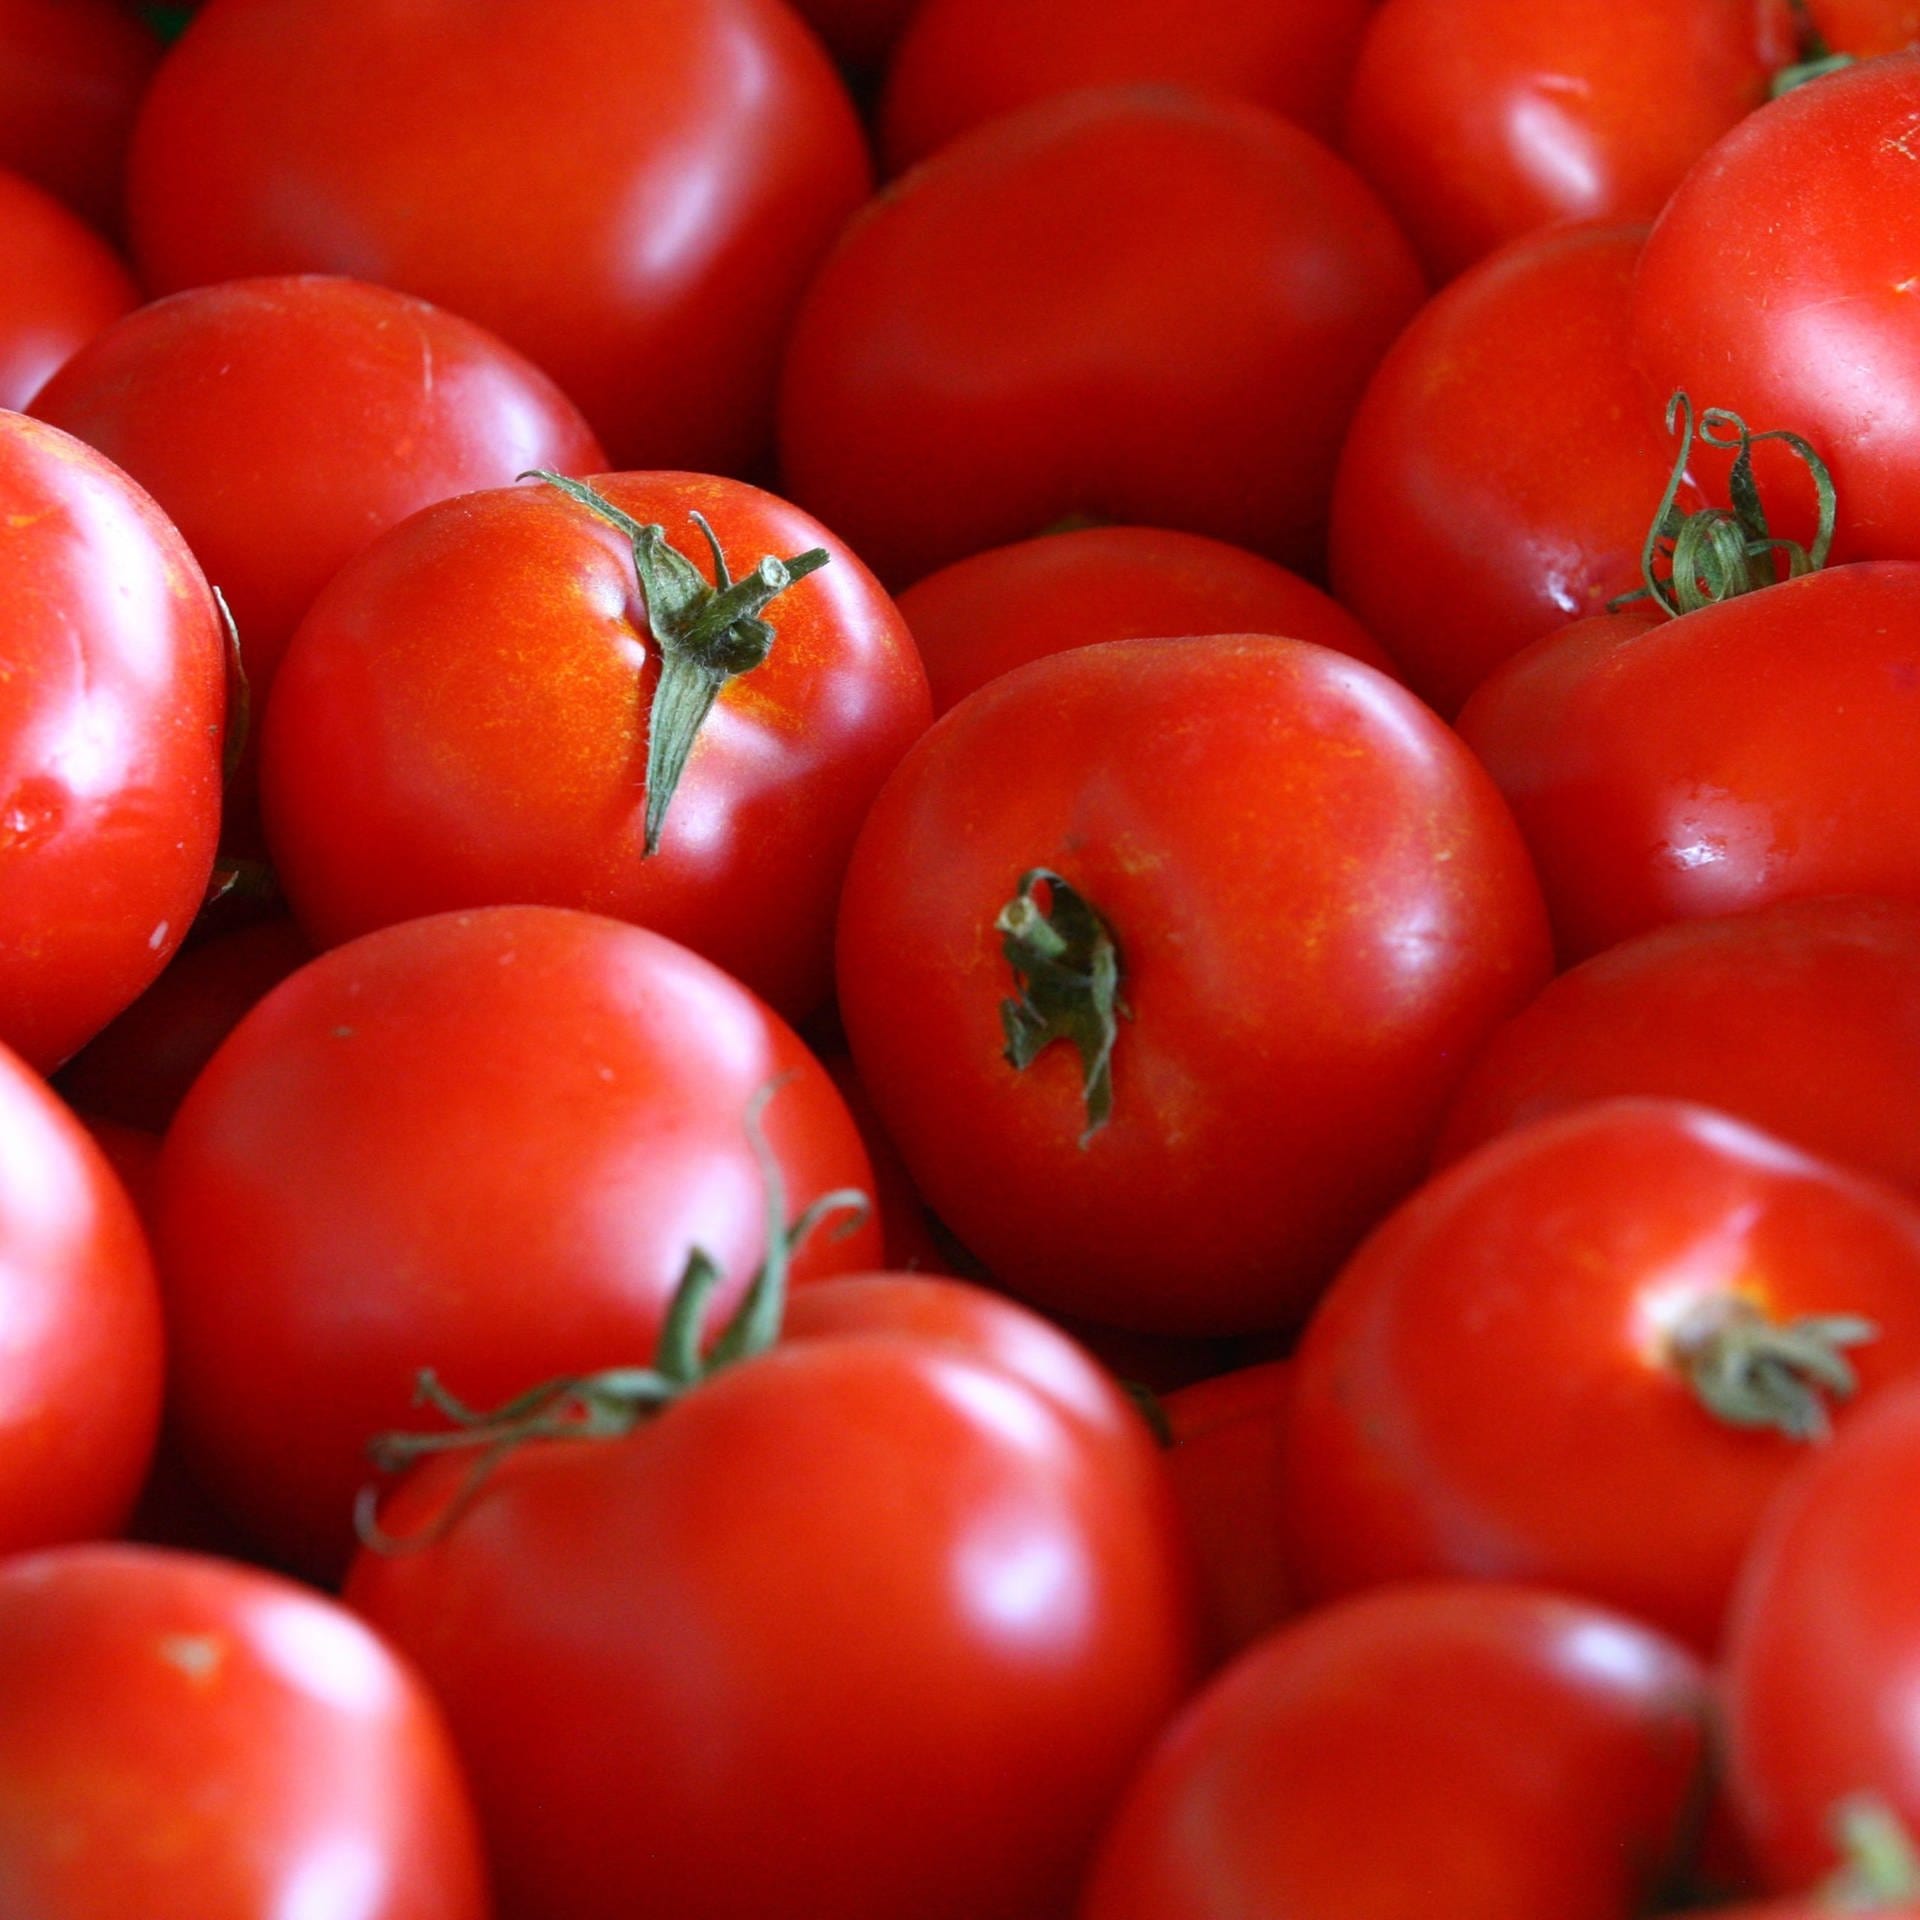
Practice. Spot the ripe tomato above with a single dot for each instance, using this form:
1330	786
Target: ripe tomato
633	203
1802	1019
187	1739
992	612
1429	1752
112	689
1480	120
1128	304
1866	27
284	423
1311	906
482	1142
860	32
1588	1355
471	697
63	285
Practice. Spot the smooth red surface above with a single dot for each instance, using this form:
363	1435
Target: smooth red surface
63	284
462	722
633	203
1320	909
187	1739
1866	27
994	611
1132	304
485	1143
110	722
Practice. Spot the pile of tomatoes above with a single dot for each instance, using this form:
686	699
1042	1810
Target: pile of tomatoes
959	959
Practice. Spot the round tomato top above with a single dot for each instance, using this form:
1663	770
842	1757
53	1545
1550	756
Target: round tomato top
63	284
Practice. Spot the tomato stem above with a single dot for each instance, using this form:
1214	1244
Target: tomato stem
1751	1371
1882	1869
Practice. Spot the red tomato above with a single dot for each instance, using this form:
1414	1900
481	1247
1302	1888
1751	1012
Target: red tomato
1505	464
979	1617
80	1361
63	284
633	203
1431	1752
1480	120
860	32
906	1228
964	61
1865	27
1314	906
1756	750
484	1143
186	1739
1588	1355
471	697
1814	324
282	424
1131	304
985	615
1802	1019
112	688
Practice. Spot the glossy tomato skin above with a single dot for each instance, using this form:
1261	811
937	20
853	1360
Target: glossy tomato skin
991	612
1866	27
1480	120
977	1626
111	703
80	1371
1503	469
485	1143
1496	1384
1753	751
1120	304
1802	1019
964	61
471	697
1809	327
654	200
1260	822
64	283
284	423
1437	1751
189	1739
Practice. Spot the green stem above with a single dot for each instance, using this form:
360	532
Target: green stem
1882	1869
1751	1371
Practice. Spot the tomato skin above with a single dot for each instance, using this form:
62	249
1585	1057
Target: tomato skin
1480	120
654	201
978	1625
961	62
1436	1751
1491	1388
111	704
991	612
64	283
188	1739
484	1143
1866	27
471	695
283	423
1257	820
1505	463
1116	304
1802	1019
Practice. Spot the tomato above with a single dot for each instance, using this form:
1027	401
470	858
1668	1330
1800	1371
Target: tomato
1802	1019
994	611
1779	283
860	32
1429	1752
1128	304
284	423
1480	120
80	1364
63	285
1310	908
483	1142
1505	464
980	1614
1866	27
906	1230
112	690
635	208
186	1739
471	697
964	61
1588	1355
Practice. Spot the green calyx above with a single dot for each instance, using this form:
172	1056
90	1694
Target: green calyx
1751	1371
1817	59
1881	1869
611	1403
705	634
1067	968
